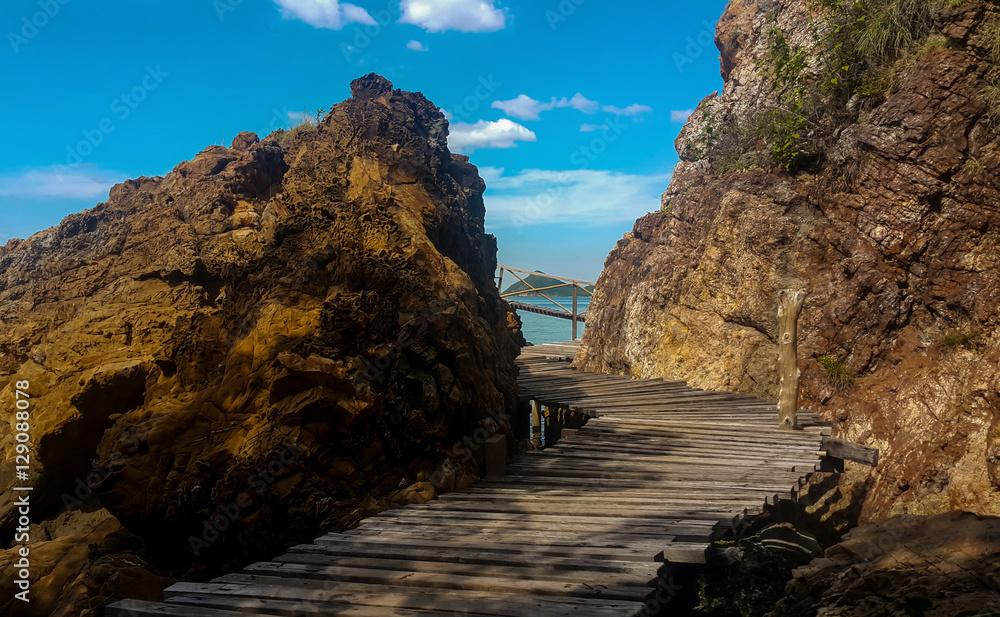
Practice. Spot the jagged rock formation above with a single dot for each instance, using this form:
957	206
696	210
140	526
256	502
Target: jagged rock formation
265	342
855	152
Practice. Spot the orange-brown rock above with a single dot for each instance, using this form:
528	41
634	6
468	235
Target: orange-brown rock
937	566
82	558
268	341
891	220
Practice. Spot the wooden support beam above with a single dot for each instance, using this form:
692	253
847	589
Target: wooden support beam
847	451
575	288
536	424
495	455
789	308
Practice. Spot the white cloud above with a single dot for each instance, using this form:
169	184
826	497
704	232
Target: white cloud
579	103
59	182
631	110
593	128
502	133
490	174
680	115
539	197
523	107
331	14
416	46
462	15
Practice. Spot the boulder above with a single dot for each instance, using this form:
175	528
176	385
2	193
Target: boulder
268	342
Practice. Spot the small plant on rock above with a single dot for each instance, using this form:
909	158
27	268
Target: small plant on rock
836	371
954	338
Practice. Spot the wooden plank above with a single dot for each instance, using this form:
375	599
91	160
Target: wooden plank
669	426
714	469
711	494
550	387
689	511
690	553
627	519
710	454
140	608
638	546
538	551
639	569
664	488
583	482
716	500
838	448
313	591
296	608
640	397
624	447
693	453
642	543
533	571
535	527
451	581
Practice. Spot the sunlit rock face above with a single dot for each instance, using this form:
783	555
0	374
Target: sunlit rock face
871	180
264	343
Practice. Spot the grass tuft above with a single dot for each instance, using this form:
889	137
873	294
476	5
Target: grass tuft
888	27
966	337
836	372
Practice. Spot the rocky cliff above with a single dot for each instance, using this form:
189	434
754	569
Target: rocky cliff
855	153
273	339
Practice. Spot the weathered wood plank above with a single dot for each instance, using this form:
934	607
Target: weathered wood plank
141	608
838	448
538	551
320	592
627	518
533	571
451	581
272	607
639	569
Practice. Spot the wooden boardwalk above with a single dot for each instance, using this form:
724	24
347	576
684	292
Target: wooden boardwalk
541	310
580	528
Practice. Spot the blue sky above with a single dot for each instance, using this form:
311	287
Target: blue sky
569	107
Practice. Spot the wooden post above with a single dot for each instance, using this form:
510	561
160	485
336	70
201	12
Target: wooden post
789	308
574	310
543	428
536	424
495	456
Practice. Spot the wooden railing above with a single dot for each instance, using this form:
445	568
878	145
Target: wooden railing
576	286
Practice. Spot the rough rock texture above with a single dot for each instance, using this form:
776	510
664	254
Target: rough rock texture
936	566
85	558
271	340
893	229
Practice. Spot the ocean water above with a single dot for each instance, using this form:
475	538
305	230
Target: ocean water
539	329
